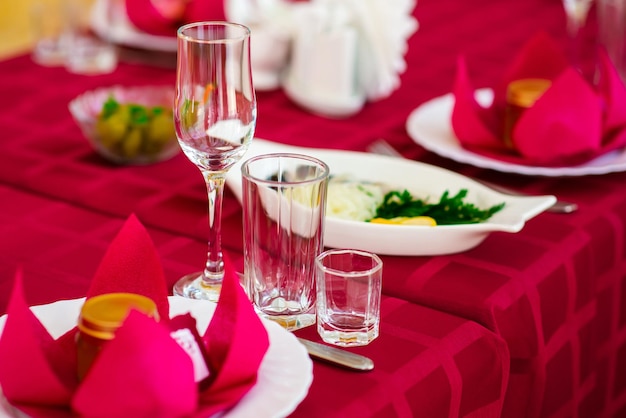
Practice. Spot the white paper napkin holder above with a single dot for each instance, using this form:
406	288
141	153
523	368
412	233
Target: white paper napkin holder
323	74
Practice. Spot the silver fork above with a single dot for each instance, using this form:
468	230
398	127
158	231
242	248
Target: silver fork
382	147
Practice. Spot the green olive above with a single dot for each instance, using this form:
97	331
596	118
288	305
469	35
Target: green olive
132	144
131	130
161	128
112	129
189	115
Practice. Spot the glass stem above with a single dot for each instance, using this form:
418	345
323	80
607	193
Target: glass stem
214	268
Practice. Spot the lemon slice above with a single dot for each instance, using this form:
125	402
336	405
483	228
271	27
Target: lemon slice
403	220
420	220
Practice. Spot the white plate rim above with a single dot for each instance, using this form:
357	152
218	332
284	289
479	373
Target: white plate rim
284	377
405	240
434	115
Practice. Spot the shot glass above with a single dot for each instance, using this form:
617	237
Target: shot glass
284	202
349	285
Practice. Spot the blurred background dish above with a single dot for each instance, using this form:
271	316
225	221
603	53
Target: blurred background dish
110	21
128	125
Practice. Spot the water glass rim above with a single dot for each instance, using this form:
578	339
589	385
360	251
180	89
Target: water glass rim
374	269
324	173
243	34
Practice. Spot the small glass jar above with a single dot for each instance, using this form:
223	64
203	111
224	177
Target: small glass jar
521	95
100	317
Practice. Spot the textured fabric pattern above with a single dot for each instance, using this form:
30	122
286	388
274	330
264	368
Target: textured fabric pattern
554	292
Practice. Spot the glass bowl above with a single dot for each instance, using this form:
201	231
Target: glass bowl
128	125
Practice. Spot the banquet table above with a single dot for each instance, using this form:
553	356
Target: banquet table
531	324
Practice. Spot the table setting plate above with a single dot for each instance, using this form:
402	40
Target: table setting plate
284	377
110	22
429	125
422	181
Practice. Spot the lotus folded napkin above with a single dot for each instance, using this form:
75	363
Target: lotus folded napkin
143	371
572	122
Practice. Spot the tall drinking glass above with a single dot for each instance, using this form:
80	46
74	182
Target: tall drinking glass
215	118
576	12
284	202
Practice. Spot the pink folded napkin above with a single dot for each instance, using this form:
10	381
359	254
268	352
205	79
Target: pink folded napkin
571	123
143	371
163	17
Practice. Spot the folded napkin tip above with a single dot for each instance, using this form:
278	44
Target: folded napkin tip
132	264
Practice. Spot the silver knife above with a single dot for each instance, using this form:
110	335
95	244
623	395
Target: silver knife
337	355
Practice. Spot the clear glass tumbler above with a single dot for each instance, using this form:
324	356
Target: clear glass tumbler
284	202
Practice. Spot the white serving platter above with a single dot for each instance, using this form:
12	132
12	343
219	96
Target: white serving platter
422	180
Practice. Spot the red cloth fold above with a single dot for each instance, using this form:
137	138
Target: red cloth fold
142	372
229	340
571	123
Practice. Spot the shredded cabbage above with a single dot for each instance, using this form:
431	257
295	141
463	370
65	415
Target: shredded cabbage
353	200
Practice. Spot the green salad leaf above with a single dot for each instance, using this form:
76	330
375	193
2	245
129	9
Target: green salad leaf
450	210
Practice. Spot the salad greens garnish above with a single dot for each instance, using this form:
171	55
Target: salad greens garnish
450	210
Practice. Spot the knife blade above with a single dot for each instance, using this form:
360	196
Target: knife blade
337	356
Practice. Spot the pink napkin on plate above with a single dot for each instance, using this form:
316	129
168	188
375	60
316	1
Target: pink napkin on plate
571	123
164	17
132	264
143	372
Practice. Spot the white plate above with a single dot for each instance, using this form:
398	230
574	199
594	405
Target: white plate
429	126
284	377
421	180
109	21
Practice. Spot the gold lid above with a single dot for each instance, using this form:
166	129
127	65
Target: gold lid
102	315
525	92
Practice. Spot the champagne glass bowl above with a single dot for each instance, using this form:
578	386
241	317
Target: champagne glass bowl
215	119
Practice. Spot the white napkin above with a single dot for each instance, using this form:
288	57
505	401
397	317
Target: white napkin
384	27
271	28
343	52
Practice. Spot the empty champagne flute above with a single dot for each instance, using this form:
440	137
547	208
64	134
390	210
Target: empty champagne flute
215	119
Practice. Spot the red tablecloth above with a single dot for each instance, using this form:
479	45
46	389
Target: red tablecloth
555	292
426	361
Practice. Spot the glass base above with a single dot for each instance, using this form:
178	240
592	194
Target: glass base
346	338
291	322
192	286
